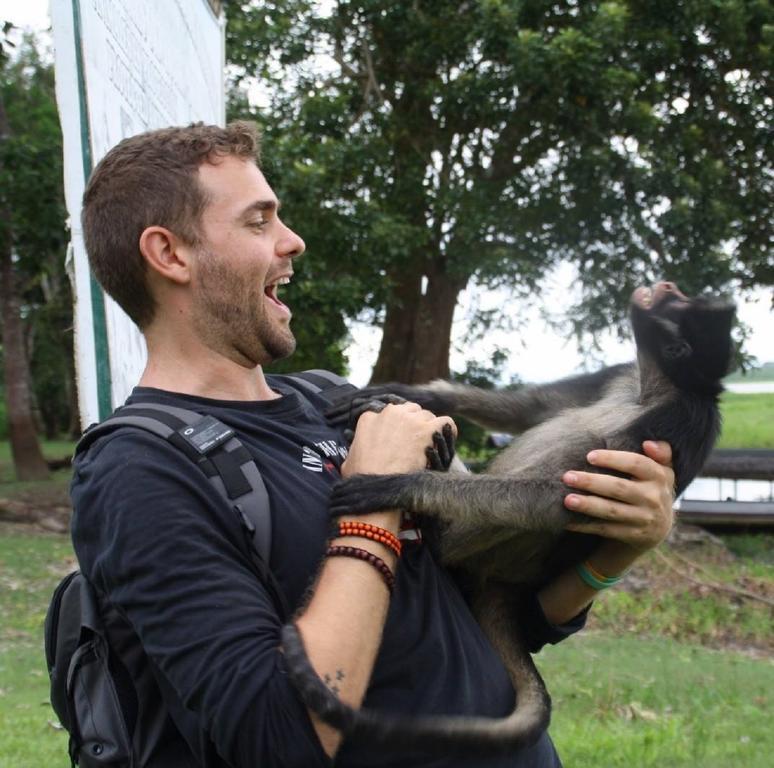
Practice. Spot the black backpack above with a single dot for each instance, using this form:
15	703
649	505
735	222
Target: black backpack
87	692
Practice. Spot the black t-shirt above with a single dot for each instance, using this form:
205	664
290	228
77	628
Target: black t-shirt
188	613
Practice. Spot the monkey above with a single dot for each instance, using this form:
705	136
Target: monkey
503	530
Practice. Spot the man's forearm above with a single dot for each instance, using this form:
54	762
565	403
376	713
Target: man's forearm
343	622
566	595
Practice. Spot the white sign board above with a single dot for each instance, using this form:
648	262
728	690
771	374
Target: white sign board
124	67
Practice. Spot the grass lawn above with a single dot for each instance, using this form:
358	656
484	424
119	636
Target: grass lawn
634	702
30	566
748	420
621	697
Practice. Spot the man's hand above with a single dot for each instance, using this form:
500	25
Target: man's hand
395	440
636	511
633	514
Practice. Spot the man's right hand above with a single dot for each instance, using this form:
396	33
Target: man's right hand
394	441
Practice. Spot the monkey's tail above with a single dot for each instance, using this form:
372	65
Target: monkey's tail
432	733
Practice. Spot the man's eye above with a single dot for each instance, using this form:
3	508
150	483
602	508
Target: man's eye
260	224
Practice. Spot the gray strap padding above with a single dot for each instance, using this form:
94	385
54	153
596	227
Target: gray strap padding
253	506
322	382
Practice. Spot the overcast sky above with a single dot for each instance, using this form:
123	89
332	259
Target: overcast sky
536	352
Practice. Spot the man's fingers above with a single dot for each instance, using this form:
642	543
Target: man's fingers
628	462
602	508
610	486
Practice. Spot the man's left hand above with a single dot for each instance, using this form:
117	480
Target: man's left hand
636	510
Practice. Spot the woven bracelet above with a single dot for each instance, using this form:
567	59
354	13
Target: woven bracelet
370	531
387	575
593	578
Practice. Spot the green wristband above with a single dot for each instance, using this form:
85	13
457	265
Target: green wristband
593	581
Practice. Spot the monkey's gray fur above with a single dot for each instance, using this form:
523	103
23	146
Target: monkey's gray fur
504	530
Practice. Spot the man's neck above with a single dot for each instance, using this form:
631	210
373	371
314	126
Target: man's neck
194	369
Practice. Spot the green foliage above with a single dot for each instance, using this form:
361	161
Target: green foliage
754	547
31	164
32	194
682	615
627	137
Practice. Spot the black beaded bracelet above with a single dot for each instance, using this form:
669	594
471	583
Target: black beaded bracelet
341	550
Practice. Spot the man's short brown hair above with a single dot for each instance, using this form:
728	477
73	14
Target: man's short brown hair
151	180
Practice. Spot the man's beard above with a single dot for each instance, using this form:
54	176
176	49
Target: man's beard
230	314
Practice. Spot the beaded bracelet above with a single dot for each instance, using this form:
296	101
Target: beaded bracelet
368	557
370	531
594	578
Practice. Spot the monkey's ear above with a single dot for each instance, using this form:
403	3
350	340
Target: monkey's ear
677	350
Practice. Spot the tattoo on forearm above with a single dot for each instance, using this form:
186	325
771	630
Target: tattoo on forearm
332	680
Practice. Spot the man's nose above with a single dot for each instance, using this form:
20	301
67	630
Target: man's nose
290	244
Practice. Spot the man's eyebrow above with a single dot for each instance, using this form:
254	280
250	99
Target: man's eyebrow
259	206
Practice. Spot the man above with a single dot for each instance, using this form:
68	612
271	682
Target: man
183	230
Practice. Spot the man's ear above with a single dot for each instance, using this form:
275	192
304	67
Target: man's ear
166	254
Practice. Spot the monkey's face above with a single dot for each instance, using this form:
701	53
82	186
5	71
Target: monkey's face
687	339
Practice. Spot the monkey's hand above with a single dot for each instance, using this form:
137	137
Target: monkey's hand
359	407
346	411
441	453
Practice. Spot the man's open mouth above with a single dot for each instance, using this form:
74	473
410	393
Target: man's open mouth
272	289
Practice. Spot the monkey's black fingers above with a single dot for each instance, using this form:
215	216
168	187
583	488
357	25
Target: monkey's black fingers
375	406
450	443
339	413
434	460
438	453
362	494
338	416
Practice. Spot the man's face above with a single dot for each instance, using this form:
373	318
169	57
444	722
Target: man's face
245	253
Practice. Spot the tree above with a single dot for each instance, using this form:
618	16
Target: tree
428	144
32	242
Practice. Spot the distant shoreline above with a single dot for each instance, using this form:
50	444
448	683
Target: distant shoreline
750	387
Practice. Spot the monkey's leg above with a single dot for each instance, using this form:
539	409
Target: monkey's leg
465	502
532	713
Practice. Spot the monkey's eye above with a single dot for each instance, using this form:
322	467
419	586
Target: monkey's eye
677	350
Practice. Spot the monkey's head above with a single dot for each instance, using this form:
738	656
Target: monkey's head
686	339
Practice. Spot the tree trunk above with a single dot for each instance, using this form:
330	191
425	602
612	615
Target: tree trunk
27	458
417	328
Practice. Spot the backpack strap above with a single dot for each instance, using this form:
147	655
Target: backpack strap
327	384
215	449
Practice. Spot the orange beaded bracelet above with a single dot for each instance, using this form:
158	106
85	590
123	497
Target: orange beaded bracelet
370	531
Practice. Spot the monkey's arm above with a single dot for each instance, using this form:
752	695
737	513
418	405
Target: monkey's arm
504	410
466	502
